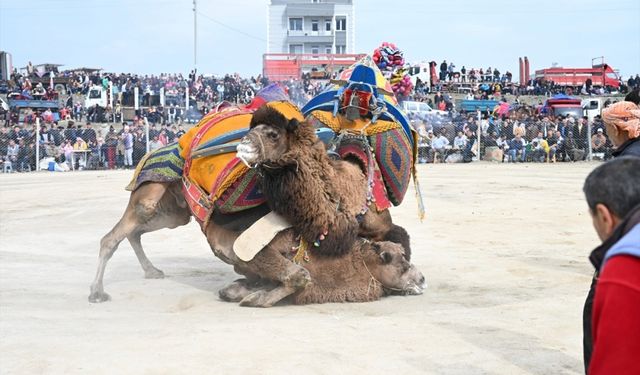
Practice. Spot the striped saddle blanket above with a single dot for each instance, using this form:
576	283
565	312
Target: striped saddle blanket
162	165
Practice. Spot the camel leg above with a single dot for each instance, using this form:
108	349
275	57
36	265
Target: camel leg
239	289
150	271
108	246
270	264
141	216
378	226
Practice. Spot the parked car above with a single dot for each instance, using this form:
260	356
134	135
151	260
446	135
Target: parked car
419	110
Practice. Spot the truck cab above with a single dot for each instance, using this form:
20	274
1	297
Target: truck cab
592	107
420	71
96	95
563	106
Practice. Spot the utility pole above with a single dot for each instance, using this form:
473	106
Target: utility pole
195	35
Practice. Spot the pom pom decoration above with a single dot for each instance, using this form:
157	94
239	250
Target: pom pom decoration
390	61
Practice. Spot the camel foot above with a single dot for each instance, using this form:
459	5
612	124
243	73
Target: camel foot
99	297
153	273
257	299
235	291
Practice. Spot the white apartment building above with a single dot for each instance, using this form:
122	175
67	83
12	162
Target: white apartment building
311	26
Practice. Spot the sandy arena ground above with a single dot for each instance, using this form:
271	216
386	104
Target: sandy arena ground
504	249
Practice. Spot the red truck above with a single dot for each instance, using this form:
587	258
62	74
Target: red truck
601	75
282	66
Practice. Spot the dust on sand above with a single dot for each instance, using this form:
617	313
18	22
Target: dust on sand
504	249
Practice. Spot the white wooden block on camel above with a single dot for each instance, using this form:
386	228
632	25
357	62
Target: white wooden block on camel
259	235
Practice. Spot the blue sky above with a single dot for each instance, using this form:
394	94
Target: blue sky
154	36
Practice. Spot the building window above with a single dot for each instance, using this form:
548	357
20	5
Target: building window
315	50
327	25
295	49
295	24
314	25
327	50
341	49
341	24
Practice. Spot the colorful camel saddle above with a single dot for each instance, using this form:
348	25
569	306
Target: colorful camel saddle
362	114
162	165
214	178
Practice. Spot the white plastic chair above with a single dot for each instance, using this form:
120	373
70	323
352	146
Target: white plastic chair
8	167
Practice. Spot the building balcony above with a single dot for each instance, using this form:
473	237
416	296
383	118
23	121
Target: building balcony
309	33
310	10
307	38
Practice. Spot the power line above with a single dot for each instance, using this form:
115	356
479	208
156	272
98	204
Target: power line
64	5
232	28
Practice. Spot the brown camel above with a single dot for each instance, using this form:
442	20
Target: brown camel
161	205
365	273
298	177
153	206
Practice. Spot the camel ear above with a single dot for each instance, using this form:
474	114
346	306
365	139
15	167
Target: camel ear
292	125
386	257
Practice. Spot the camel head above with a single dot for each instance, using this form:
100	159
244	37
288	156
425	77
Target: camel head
387	264
272	137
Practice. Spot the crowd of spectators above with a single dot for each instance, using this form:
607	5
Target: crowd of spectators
511	138
530	138
121	148
485	83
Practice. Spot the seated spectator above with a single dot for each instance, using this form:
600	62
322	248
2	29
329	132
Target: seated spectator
599	143
80	145
38	92
517	149
460	141
67	149
440	147
26	155
155	144
519	129
554	143
12	153
180	131
471	147
503	143
4	140
572	148
491	140
47	116
539	148
492	151
162	137
425	149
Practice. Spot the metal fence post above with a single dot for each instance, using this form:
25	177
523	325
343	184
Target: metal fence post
37	144
479	130
146	132
590	150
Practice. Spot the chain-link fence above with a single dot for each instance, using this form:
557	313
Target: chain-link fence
454	139
83	145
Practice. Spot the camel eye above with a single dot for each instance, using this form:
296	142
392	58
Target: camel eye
273	135
405	266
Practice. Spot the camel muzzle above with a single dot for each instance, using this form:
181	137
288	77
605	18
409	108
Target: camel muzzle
247	153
